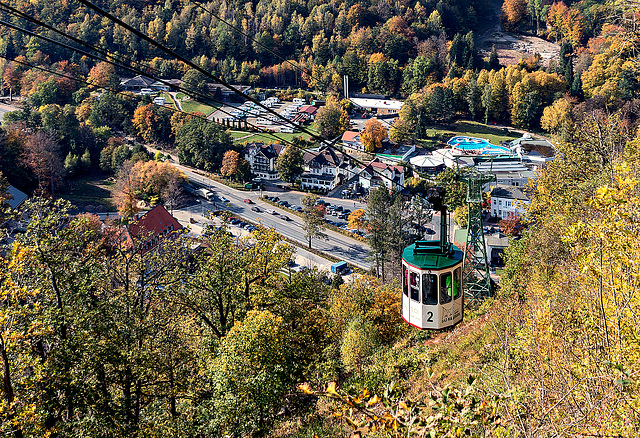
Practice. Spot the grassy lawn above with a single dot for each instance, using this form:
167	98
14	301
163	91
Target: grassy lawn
169	100
471	129
190	106
90	190
266	138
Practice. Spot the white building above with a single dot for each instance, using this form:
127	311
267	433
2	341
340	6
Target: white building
262	159
351	141
379	106
325	170
506	200
377	174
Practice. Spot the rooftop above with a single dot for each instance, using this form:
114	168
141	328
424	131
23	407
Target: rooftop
17	197
509	192
377	103
350	135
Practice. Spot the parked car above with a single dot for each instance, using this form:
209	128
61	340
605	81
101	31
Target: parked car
430	231
248	201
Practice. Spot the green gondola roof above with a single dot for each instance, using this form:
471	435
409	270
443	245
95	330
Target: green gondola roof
428	254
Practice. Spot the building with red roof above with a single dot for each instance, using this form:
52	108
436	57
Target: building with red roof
351	141
151	228
377	174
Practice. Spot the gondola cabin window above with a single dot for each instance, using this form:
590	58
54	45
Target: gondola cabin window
413	286
429	289
405	282
446	288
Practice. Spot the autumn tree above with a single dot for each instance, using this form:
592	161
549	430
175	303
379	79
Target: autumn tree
511	225
557	118
230	164
313	218
126	195
152	123
357	219
103	75
153	178
289	163
372	135
42	157
332	120
513	11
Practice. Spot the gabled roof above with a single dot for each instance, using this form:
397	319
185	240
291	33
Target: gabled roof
309	109
137	81
325	158
268	150
278	148
156	222
17	197
350	136
376	167
509	192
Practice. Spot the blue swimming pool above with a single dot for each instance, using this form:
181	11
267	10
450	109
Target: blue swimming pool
468	144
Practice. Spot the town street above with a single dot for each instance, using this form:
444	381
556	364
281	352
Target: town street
337	245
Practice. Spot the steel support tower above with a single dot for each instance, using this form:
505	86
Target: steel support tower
476	276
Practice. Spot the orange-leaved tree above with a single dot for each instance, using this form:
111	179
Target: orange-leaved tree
372	135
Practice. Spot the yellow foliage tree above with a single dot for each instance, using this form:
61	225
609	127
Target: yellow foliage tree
372	135
556	118
357	219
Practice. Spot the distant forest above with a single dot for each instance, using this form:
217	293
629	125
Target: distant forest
385	47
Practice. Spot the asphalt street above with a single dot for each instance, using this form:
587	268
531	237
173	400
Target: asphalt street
338	245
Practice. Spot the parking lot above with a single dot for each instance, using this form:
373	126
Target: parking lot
256	116
336	215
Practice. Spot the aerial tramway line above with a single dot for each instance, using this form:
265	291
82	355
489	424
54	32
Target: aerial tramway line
437	276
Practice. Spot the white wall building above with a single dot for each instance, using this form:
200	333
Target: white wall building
378	174
507	200
262	159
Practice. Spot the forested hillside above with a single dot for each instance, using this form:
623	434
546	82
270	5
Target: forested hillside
100	338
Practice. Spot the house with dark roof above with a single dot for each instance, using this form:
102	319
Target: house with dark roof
150	229
136	83
16	197
325	170
227	93
262	159
508	200
351	141
378	174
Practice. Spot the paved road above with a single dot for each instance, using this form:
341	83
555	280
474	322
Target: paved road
197	211
338	245
4	108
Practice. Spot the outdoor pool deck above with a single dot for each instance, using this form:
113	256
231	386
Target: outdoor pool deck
478	145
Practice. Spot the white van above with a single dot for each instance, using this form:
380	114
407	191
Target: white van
298	101
263	121
287	130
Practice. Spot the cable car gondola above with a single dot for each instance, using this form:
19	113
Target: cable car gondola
432	295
